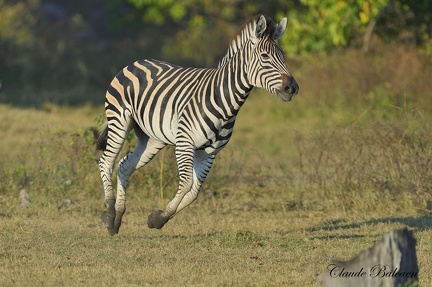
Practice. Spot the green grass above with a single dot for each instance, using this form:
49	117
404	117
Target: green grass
322	177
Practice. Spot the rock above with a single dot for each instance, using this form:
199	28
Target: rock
24	198
390	262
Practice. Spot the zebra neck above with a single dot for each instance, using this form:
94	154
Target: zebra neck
233	86
239	41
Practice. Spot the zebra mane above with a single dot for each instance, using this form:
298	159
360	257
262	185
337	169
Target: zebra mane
243	35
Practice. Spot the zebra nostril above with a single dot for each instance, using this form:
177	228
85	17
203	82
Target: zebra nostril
293	90
289	84
290	90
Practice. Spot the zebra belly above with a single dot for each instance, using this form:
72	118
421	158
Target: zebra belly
212	141
165	131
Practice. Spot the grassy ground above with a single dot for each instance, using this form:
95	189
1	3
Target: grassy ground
201	247
324	176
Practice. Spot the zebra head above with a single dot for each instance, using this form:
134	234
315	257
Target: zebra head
267	68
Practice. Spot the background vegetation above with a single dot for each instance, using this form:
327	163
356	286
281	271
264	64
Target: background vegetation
66	52
301	182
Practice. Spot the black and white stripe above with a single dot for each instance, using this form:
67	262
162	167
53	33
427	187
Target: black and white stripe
191	108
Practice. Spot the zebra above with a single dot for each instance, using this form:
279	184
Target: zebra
193	109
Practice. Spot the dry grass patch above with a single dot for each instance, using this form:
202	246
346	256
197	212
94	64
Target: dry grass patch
198	248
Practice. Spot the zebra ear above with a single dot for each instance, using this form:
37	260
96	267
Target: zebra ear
280	29
261	26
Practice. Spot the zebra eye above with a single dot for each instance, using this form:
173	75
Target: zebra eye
265	55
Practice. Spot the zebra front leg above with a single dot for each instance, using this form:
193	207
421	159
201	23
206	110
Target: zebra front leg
184	155
201	167
202	163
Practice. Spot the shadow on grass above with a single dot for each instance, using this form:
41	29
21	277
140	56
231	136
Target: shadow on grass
182	236
415	223
345	236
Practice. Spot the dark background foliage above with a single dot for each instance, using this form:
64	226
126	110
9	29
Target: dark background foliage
66	52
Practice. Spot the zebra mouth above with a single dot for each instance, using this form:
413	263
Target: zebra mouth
284	96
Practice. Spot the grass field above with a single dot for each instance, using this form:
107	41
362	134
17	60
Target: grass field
322	177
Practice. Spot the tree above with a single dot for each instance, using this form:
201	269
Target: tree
202	28
16	20
321	25
314	25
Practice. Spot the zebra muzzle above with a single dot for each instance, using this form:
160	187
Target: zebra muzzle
289	88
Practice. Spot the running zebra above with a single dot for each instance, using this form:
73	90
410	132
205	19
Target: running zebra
193	109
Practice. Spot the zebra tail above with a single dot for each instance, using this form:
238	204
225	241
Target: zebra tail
101	137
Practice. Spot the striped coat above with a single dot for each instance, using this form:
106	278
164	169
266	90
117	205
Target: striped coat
192	108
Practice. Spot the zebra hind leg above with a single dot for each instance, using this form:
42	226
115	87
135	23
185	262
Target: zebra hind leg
113	138
145	150
106	165
106	162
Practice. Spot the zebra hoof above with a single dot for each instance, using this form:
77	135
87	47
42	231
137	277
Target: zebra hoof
109	222
156	220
